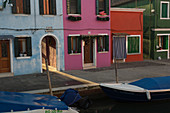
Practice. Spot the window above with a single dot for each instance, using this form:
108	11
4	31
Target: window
21	6
103	43
133	44
23	46
164	10
74	44
73	6
102	7
162	42
47	7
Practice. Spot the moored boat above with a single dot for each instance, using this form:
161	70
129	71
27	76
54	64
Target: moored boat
147	89
31	103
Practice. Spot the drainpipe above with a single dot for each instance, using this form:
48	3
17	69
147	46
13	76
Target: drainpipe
150	28
35	22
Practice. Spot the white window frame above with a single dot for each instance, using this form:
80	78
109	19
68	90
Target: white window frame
161	9
139	44
168	44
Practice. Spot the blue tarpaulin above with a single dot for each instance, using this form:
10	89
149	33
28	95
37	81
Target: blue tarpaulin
23	101
155	83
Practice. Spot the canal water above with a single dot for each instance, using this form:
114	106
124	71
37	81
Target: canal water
106	105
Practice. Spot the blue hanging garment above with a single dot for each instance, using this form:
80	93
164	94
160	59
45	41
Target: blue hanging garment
70	96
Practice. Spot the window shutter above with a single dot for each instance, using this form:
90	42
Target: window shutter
165	42
68	6
79	6
26	7
164	10
53	7
41	7
16	47
69	44
14	8
137	44
97	7
129	45
98	44
107	43
79	44
107	6
29	46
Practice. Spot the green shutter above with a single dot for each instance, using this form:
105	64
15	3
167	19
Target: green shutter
53	7
29	46
79	44
41	7
133	44
165	42
69	44
137	44
26	7
14	8
107	6
79	6
107	43
16	47
164	10
97	7
129	45
98	44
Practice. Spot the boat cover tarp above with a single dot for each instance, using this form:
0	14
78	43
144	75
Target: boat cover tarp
23	101
155	83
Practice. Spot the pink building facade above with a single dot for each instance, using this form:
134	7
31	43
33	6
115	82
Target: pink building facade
86	34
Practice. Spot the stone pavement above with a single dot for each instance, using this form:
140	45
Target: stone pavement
38	83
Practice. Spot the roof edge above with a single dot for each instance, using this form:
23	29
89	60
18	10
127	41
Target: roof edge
128	9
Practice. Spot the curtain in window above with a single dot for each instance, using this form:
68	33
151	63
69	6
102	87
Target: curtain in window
73	6
47	7
21	6
119	47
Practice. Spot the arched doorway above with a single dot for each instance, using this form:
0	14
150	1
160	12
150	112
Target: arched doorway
48	51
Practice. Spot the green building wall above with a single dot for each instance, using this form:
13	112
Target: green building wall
151	20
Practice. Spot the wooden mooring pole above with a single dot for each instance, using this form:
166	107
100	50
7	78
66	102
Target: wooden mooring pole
49	79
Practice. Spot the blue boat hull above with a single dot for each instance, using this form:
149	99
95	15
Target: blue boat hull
121	95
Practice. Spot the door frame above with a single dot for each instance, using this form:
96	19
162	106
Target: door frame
94	51
115	36
58	46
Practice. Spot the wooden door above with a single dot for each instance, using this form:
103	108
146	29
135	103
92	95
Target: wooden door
88	51
48	47
4	56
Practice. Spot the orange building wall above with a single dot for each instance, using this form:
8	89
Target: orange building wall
130	23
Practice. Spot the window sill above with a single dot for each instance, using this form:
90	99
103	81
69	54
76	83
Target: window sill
133	53
48	15
27	57
162	50
164	18
103	52
74	15
21	14
102	15
75	54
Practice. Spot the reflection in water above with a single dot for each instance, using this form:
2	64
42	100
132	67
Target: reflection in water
107	105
